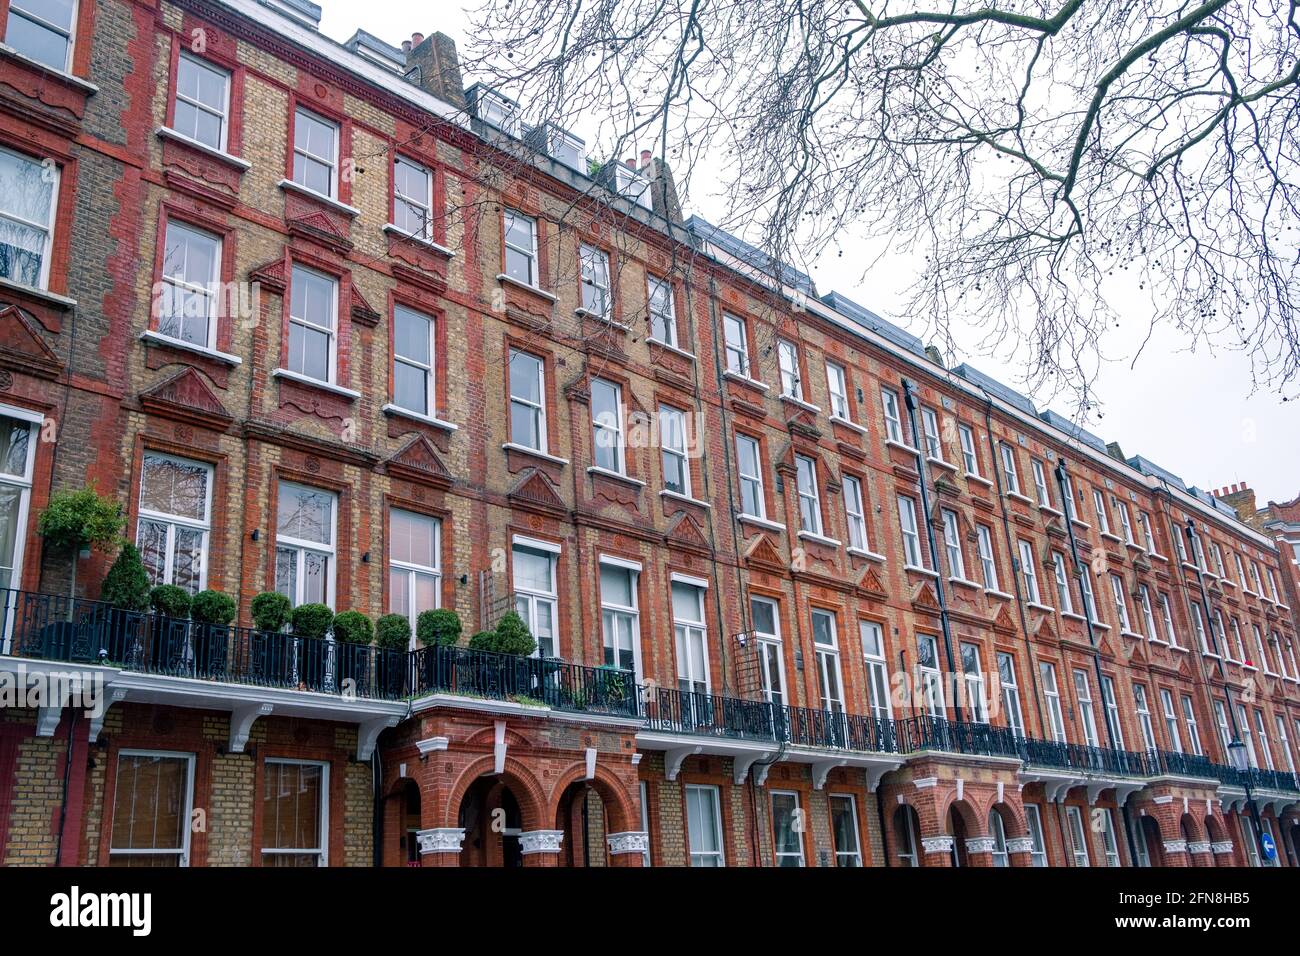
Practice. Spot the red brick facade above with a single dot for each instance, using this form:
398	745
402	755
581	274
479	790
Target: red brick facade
481	780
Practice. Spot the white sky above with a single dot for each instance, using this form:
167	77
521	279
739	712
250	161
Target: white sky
1191	413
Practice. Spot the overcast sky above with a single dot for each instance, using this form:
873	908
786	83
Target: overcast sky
1192	413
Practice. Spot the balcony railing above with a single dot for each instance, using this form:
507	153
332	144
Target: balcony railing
76	631
59	628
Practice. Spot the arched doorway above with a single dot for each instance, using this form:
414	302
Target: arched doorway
957	827
907	836
999	821
489	814
409	797
1149	834
581	815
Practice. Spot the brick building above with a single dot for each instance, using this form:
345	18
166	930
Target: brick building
328	323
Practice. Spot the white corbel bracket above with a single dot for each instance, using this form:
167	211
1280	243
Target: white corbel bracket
675	757
368	732
241	724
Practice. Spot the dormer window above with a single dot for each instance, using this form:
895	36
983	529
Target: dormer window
563	147
498	111
633	185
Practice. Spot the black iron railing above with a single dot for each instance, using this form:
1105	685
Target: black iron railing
60	628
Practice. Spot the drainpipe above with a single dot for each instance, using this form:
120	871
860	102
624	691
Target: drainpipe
1068	504
377	813
909	397
67	774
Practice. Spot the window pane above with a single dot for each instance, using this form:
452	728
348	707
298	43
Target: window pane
616	585
37	41
525	377
174	487
686	603
149	806
305	513
412	336
533	570
291	806
413	538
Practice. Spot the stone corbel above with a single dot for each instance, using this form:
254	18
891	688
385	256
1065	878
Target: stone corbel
368	733
431	745
821	770
1199	847
937	844
1175	846
47	720
633	841
1223	847
440	840
980	844
241	724
875	775
740	765
499	749
540	841
675	757
115	695
1023	844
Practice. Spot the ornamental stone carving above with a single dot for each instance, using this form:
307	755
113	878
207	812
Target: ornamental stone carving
441	839
1223	847
1020	845
541	841
980	845
633	841
937	844
1175	846
1198	847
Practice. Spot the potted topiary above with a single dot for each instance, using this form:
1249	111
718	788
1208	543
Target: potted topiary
74	522
438	628
212	613
311	624
126	591
353	633
173	648
393	635
270	656
508	674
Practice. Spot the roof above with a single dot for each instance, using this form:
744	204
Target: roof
751	256
994	387
869	320
1151	468
1075	431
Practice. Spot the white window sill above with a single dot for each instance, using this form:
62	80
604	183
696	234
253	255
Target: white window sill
1158	556
1048	509
800	403
401	233
965	583
1156	640
671	348
994	592
852	426
1039	607
678	496
616	475
760	522
1249	667
585	313
1074	617
864	553
157	338
62	75
926	571
1104	627
1211	654
819	538
291	186
901	446
1180	649
166	132
1082	524
1133	544
1131	634
53	298
941	464
1228	583
534	452
315	383
511	280
398	410
1112	537
745	380
1189	566
1017	496
978	479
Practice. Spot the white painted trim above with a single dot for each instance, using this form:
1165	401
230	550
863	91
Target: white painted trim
330	201
538	543
686	498
680	578
391	409
761	522
401	233
621	563
157	338
535	290
314	383
525	450
616	475
651	340
166	132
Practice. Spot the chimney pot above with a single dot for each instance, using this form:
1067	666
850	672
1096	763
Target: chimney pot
417	39
630	163
645	158
406	46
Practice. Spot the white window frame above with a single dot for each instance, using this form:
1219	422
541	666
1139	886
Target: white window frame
311	324
771	650
422	205
1078	836
930	434
1121	603
18	8
414	571
529	253
321	851
977	705
913	554
1029	572
952	545
629	613
22	482
300	546
1052	694
667	316
595	286
1125	521
1148	532
47	168
828	663
1011	693
717	856
684	631
429	369
810	520
1038	853
855	513
795	828
872	636
837	384
332	161
1167	614
533	597
1087	713
175	522
735	350
223	115
1108	841
755	479
988	563
1041	489
208	288
1009	471
668	449
787	357
892	411
1103	516
1142	707
1193	730
1062	577
850	859
969	457
1148	615
538	408
182	852
1169	710
1110	704
599	427
930	678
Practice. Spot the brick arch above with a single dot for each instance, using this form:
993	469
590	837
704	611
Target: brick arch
1215	828
1195	829
976	826
528	793
620	814
1013	817
893	836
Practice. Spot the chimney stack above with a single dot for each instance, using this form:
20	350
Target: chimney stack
645	158
436	67
1241	497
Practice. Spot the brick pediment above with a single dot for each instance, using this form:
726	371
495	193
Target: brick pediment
1003	621
187	397
870	582
417	460
21	346
685	532
762	552
271	276
534	489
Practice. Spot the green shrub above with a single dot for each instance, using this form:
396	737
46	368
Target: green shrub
213	607
271	611
126	586
74	520
510	637
311	620
393	631
353	627
441	627
171	600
